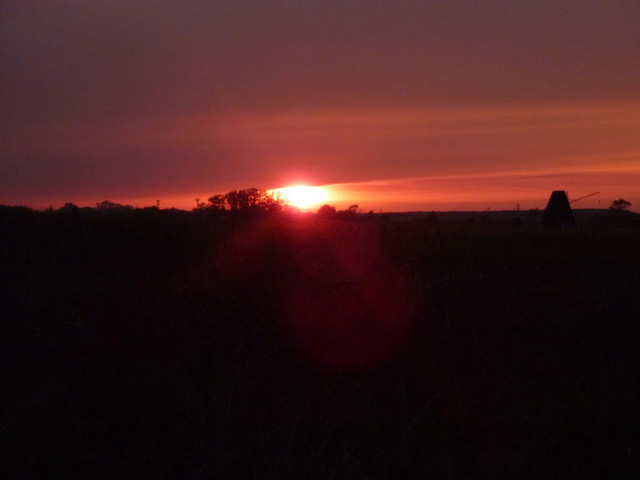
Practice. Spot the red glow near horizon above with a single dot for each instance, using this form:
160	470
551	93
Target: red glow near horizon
506	190
381	159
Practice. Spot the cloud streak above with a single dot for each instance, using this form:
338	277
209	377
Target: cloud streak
506	190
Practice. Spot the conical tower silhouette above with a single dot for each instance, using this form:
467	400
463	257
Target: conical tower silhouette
558	211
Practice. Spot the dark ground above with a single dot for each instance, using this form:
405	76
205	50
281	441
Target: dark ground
165	343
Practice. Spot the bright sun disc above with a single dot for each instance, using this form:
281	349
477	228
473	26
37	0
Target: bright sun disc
302	196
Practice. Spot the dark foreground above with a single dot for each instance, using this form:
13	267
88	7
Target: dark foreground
168	344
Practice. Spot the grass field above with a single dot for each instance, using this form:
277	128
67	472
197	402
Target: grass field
181	344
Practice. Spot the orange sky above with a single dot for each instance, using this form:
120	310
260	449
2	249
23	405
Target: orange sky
405	105
402	159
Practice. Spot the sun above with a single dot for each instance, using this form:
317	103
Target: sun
303	196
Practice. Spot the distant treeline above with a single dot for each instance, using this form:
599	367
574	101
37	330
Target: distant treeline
245	201
238	206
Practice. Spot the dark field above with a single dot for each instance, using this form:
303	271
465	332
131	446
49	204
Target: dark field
174	344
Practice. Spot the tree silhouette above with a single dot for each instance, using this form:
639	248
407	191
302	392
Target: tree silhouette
349	212
247	200
620	205
107	205
217	202
326	211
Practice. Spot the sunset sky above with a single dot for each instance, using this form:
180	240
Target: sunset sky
397	105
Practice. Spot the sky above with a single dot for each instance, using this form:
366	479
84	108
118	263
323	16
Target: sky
394	105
